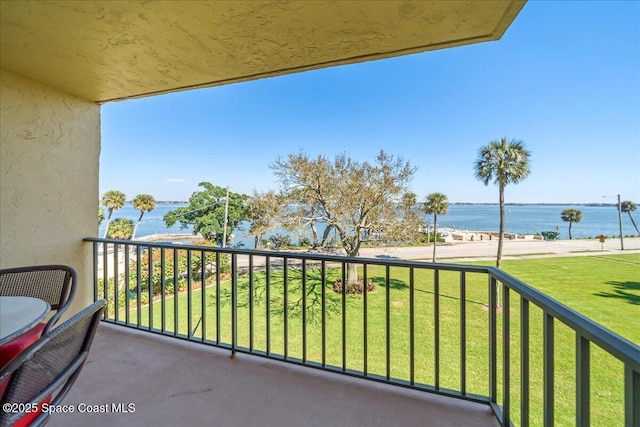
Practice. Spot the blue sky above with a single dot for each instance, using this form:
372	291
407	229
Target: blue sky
564	79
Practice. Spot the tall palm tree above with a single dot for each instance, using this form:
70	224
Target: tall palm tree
112	200
629	207
143	203
503	163
436	204
571	216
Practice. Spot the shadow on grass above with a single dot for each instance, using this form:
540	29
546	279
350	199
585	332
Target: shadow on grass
401	285
627	291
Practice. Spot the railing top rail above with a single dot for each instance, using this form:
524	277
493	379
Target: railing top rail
625	350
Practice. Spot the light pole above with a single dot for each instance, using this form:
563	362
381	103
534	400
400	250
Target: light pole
619	221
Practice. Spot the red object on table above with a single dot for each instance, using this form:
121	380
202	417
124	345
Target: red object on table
12	348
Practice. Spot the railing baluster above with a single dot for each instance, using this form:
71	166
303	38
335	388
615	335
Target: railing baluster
412	329
304	311
251	302
285	287
127	283
388	321
95	276
583	386
163	265
493	341
138	288
323	278
116	282
436	326
343	295
365	337
189	285
463	333
176	254
105	276
234	303
218	305
506	358
267	271
631	396
548	392
203	298
150	289
524	362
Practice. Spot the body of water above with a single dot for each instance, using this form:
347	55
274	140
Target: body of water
520	219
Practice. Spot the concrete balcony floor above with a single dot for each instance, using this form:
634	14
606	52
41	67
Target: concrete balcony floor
174	382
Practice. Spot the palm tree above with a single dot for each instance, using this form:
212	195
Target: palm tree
113	200
121	229
503	163
629	207
436	204
571	216
100	215
143	203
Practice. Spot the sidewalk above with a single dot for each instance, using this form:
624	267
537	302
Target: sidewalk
512	249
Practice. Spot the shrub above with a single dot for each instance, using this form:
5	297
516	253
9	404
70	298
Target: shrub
280	241
304	241
354	288
550	235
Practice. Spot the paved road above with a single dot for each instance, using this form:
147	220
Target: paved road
513	249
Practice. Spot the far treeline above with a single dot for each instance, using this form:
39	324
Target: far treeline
360	201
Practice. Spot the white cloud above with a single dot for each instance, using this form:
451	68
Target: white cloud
175	180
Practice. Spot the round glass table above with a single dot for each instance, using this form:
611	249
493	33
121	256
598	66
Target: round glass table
18	315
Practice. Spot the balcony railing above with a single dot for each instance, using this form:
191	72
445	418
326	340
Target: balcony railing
465	331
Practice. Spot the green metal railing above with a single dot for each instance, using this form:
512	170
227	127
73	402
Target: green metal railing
499	334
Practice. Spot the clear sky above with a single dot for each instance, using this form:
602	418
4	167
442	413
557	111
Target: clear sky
565	79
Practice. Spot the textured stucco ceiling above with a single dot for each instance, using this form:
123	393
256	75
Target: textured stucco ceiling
108	50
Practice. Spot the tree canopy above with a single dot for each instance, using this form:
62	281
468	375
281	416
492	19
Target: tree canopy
263	209
206	212
121	229
353	197
143	203
113	200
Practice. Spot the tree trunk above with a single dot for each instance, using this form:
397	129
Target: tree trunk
133	236
633	222
501	233
106	230
256	242
314	233
570	222
352	273
325	236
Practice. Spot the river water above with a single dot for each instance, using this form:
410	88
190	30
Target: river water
520	219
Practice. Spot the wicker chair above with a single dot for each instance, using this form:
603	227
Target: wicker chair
45	372
55	284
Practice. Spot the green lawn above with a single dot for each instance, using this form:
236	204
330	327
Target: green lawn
604	288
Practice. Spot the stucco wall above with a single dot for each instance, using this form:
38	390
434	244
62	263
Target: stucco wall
49	152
